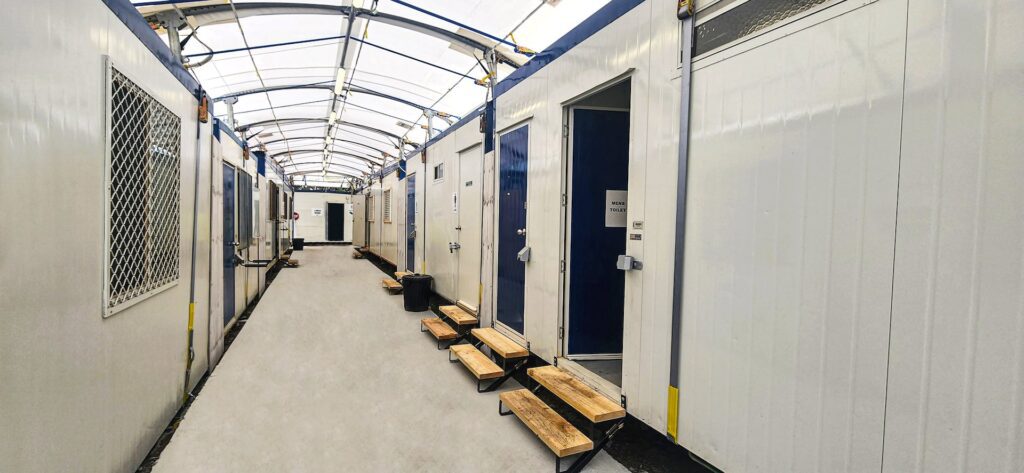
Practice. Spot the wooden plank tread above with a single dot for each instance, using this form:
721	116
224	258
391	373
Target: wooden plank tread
401	274
558	434
457	315
439	329
476	362
501	344
389	283
466	306
592	404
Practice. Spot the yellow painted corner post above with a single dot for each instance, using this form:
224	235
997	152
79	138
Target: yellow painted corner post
673	413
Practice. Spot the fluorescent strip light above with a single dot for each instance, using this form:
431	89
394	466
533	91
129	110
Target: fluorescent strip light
339	85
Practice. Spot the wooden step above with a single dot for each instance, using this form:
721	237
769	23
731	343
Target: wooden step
391	284
458	315
558	434
476	362
439	329
501	344
592	404
401	274
466	306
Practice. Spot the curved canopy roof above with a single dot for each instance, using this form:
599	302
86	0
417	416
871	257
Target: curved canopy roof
277	65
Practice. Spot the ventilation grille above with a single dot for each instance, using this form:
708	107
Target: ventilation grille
387	206
145	191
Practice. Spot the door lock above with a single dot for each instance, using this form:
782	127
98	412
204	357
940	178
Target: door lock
453	246
524	255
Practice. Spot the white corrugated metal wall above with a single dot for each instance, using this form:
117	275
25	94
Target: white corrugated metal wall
789	239
955	398
79	392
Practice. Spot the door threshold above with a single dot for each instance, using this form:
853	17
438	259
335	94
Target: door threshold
592	379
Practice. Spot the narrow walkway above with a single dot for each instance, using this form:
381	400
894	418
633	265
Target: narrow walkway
331	374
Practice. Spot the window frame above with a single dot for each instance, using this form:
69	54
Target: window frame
107	309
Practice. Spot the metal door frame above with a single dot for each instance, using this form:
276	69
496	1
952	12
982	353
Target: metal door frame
520	338
566	232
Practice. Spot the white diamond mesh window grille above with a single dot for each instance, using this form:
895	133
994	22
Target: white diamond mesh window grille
145	192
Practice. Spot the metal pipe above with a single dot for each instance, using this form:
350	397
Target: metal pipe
191	354
680	240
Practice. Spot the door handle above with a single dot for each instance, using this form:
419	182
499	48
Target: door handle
453	246
628	263
521	232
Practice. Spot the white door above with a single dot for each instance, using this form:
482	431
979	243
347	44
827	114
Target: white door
467	204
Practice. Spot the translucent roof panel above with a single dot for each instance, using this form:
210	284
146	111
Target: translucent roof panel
277	64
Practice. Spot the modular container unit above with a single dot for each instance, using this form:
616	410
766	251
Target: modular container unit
96	292
324	217
381	219
279	216
853	257
235	181
359	220
448	196
585	171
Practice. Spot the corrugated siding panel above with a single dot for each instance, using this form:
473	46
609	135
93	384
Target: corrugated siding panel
956	376
790	233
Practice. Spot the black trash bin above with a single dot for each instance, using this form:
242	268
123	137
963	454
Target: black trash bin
416	292
298	243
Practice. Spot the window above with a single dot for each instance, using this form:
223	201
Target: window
439	172
144	192
387	206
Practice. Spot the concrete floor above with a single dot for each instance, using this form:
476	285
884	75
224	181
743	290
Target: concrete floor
610	370
331	374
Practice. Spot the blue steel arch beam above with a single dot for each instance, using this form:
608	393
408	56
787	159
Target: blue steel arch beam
326	86
329	171
348	131
319	168
289	121
378	151
222	13
332	151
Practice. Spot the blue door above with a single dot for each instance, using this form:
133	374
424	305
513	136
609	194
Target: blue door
410	223
513	150
229	243
600	169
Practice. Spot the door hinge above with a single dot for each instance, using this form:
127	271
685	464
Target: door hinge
564	200
561	266
623	400
561	333
565	131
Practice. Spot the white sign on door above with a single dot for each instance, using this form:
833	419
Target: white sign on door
318	212
615	209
